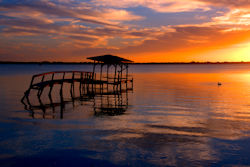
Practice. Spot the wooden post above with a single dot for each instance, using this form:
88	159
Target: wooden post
51	85
88	81
28	100
80	84
93	70
126	76
61	106
95	83
61	90
51	104
84	83
42	78
72	89
115	73
101	72
126	71
92	80
121	77
101	83
107	78
107	72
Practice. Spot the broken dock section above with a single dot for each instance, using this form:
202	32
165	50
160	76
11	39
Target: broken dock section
104	86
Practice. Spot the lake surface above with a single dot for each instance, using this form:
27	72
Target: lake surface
176	115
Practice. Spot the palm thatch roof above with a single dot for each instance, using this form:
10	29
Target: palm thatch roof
110	59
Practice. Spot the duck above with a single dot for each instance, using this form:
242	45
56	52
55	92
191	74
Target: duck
219	83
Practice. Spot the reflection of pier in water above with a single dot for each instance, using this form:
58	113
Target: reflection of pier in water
106	95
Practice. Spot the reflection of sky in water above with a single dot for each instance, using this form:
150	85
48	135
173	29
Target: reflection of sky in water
180	118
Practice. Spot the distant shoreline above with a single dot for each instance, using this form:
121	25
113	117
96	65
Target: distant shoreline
47	62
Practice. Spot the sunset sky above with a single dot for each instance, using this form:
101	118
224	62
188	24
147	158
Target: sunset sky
140	30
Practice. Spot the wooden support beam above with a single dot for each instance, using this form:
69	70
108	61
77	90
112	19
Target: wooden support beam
72	88
62	106
61	90
80	84
101	72
115	72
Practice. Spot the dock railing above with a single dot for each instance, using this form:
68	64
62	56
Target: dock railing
47	78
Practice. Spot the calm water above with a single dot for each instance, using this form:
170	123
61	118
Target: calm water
176	115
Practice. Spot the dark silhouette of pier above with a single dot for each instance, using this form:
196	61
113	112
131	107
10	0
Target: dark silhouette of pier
107	93
102	102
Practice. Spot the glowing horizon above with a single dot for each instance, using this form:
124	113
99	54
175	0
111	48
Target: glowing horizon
140	30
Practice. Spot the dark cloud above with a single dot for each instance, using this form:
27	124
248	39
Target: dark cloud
29	23
82	38
60	11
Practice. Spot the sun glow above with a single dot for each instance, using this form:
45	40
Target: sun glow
235	53
145	30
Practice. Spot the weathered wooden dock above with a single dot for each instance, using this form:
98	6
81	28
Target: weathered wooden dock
49	79
85	79
93	85
107	98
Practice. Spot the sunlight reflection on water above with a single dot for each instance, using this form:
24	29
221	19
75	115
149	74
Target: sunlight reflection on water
177	115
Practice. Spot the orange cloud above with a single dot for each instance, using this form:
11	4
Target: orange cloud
185	43
75	28
234	18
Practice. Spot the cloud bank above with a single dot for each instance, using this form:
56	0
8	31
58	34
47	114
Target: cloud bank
69	29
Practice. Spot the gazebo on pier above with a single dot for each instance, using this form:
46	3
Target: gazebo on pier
105	91
116	69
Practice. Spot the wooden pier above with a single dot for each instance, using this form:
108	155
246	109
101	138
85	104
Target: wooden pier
90	86
105	99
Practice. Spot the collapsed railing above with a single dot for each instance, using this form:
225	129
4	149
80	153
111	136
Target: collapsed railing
50	79
106	96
